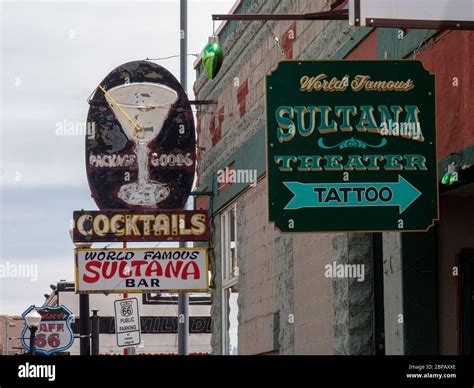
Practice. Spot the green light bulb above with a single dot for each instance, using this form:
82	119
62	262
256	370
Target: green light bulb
446	178
212	57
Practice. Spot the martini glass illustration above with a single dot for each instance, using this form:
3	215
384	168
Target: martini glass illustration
141	109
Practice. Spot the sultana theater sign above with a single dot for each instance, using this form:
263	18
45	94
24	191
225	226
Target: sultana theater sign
351	146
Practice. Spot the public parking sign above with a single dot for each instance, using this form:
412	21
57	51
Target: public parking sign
127	322
351	146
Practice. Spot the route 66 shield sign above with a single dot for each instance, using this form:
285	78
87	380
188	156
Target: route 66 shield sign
127	309
54	332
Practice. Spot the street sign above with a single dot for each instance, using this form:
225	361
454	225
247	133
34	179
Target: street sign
433	14
117	226
141	149
121	270
54	332
351	146
127	322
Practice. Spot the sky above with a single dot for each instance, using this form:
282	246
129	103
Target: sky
53	55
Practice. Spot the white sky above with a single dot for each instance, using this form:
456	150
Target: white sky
53	55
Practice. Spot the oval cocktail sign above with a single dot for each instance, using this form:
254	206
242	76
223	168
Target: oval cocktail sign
140	147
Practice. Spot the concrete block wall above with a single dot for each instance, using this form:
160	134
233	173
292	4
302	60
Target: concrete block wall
313	294
393	298
258	283
353	301
216	284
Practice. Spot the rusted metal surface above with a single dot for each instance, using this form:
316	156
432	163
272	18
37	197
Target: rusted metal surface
113	152
339	14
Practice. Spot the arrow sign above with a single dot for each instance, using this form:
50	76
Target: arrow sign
307	195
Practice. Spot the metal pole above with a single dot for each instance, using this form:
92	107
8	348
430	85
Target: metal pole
84	330
126	351
183	76
32	340
95	346
183	299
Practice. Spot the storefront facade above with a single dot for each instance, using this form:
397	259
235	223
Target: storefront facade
271	292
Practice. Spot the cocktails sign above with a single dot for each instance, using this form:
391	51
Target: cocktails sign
351	146
142	154
124	225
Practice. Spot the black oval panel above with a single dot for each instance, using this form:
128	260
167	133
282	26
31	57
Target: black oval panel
136	94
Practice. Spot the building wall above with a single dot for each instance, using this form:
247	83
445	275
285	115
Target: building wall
250	53
453	103
454	234
455	93
300	320
393	297
447	55
258	283
285	302
13	332
313	294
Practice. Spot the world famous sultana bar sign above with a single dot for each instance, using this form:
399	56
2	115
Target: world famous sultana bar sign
120	270
351	146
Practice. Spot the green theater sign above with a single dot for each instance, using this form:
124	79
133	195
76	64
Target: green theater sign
351	146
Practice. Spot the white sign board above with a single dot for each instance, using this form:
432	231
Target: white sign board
450	14
121	270
127	322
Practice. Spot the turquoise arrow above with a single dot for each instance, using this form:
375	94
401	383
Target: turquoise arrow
308	195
